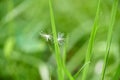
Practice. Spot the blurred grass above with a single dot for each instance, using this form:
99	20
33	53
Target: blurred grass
22	20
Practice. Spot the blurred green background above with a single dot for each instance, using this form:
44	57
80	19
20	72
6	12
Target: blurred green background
24	55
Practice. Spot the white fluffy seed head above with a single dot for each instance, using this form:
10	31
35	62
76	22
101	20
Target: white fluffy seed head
60	38
46	36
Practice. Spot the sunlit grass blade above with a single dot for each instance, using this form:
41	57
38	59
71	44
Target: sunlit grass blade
57	50
109	38
77	74
68	73
91	42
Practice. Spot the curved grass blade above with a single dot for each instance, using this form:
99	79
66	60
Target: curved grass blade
91	42
77	74
109	38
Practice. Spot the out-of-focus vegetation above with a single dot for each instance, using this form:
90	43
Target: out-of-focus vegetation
26	55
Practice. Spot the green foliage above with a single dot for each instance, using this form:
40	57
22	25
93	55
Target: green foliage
26	55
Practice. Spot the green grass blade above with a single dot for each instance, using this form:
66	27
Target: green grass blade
57	50
109	38
65	50
64	60
77	74
68	73
91	42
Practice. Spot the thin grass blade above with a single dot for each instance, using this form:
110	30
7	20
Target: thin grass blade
91	42
109	38
77	74
57	50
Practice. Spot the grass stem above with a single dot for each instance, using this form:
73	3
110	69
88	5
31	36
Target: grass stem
109	38
57	50
91	42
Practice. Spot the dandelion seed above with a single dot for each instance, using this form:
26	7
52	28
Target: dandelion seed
60	38
46	36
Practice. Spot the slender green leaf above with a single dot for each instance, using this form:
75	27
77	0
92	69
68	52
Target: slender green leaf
76	75
57	50
91	42
109	38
